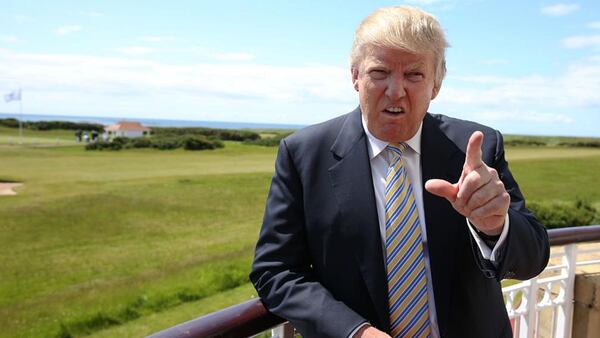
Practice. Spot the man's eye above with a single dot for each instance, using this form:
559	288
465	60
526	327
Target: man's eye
414	76
378	74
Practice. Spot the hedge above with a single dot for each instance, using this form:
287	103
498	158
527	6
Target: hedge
222	134
563	214
201	143
52	125
269	142
188	142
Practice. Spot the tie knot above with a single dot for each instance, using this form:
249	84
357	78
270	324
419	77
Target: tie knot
397	148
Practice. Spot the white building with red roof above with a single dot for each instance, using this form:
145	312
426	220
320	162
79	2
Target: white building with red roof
127	129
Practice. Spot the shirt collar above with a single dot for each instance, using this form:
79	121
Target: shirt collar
376	146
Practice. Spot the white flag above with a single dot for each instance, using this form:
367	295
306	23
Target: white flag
15	95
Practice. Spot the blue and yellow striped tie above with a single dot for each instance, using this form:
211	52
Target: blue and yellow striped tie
407	282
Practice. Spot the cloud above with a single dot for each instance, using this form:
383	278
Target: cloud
84	74
576	88
94	14
247	90
594	25
523	116
582	41
64	30
136	50
559	9
233	56
9	39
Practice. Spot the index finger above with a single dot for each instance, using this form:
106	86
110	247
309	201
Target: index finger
473	160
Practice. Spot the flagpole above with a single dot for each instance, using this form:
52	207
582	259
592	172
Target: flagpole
20	116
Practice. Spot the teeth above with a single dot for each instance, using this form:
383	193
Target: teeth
395	110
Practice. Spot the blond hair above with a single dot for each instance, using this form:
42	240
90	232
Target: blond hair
402	27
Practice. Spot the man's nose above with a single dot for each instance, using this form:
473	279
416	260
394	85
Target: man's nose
395	88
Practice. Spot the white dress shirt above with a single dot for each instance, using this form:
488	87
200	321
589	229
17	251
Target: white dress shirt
380	160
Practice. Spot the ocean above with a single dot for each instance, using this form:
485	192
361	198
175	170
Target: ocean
152	122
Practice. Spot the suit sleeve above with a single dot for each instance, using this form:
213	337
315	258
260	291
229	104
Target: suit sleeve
526	250
282	271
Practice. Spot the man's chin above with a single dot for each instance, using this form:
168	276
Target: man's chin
393	134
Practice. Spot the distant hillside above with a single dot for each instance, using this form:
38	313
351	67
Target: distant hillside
551	141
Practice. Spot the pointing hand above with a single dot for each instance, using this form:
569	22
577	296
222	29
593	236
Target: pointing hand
479	194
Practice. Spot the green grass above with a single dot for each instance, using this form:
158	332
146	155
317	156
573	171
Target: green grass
122	244
557	174
10	136
92	232
160	321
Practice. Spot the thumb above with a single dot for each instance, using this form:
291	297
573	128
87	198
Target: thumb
442	188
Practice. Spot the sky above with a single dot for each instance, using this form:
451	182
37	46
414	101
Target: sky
523	67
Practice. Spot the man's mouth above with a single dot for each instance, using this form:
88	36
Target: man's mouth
394	110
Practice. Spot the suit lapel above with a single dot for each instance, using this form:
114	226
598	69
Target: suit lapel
440	158
353	186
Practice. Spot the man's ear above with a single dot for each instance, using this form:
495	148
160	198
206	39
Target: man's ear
435	91
354	73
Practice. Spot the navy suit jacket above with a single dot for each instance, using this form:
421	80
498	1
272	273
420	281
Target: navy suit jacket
319	260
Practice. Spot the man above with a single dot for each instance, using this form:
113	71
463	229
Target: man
390	220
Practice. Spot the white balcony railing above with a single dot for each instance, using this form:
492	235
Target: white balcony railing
543	306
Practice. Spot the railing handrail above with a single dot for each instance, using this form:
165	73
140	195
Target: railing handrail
240	320
572	235
251	317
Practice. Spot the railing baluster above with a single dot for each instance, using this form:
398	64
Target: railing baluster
285	330
528	320
565	310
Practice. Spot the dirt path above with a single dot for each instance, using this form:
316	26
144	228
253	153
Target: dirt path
9	188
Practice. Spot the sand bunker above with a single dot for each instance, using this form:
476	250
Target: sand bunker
9	188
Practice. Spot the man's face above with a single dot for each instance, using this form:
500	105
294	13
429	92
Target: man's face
394	88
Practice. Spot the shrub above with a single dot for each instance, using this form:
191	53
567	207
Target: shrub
120	140
166	143
51	125
11	123
93	146
237	135
524	142
200	143
270	141
141	142
223	134
189	142
104	145
561	215
586	144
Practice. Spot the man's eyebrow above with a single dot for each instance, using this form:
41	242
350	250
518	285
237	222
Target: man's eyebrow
415	65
